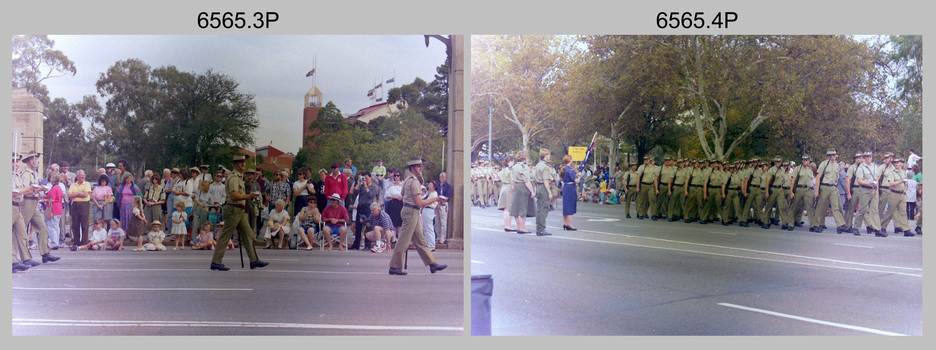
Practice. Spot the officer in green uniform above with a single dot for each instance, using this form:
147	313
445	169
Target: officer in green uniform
751	190
235	218
544	194
411	229
630	194
851	200
772	189
664	188
677	191
29	207
867	188
827	192
802	193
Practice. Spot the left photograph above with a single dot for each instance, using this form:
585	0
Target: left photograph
237	185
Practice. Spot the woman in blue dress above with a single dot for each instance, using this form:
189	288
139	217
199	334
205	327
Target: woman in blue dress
569	179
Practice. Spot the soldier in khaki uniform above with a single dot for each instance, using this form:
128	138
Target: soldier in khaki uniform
880	175
772	189
677	191
732	192
544	194
715	192
851	200
827	192
648	176
411	229
22	259
665	188
752	192
802	193
897	200
235	218
785	180
630	194
867	188
29	207
694	197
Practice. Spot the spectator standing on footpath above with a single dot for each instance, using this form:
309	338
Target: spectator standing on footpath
336	182
80	195
278	190
445	192
350	173
367	193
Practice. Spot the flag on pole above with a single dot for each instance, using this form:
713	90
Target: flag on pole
589	152
378	86
380	99
370	92
310	73
389	80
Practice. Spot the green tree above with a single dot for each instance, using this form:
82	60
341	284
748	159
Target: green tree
907	58
34	61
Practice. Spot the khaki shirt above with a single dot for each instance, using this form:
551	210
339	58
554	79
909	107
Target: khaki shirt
894	175
864	172
520	172
679	179
541	172
650	172
757	178
879	174
772	175
504	175
235	184
831	172
667	174
717	179
29	177
805	176
17	184
735	179
631	178
411	187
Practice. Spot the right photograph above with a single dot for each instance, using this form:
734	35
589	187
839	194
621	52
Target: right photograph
726	185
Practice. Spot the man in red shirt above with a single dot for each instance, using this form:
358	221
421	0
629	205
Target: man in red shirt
336	182
335	217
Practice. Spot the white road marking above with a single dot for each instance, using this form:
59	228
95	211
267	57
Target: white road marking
746	250
604	220
812	320
95	323
235	270
754	258
476	262
724	233
853	245
137	289
631	226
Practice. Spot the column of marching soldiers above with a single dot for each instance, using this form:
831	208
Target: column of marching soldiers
766	193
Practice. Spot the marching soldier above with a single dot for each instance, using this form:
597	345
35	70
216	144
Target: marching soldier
677	191
826	192
772	189
752	191
411	229
864	178
235	218
801	192
630	194
783	199
732	193
881	175
897	200
715	192
704	206
694	197
851	200
29	208
648	180
665	188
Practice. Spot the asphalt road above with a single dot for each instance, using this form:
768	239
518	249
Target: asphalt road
618	276
299	293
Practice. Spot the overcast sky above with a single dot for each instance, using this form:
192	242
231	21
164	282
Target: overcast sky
272	68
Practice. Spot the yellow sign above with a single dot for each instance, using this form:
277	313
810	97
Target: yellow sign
578	153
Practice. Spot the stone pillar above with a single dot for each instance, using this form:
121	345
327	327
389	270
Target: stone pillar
455	164
27	124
